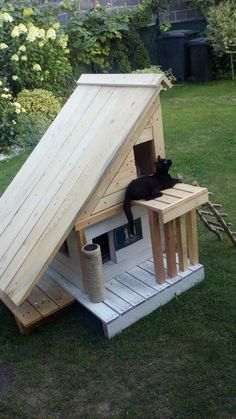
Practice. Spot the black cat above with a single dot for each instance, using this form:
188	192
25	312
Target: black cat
148	187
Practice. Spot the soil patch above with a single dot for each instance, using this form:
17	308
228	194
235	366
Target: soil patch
6	378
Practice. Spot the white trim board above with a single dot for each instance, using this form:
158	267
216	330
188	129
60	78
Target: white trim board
131	295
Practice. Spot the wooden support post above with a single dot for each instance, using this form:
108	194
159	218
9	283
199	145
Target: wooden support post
192	237
170	248
81	241
182	247
156	246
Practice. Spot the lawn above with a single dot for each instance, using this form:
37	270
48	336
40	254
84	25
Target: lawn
178	362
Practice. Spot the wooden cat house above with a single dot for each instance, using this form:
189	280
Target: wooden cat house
69	193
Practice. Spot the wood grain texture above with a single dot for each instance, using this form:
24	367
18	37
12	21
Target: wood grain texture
182	247
192	237
86	156
156	246
125	80
170	248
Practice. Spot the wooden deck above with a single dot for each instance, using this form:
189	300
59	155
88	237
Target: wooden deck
133	294
46	300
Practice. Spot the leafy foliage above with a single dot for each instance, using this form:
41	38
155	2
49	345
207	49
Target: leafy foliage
30	128
106	41
156	70
221	29
39	101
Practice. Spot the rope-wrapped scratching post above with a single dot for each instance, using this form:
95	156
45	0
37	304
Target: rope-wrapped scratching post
93	272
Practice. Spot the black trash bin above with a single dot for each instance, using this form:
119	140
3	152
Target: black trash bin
200	60
174	53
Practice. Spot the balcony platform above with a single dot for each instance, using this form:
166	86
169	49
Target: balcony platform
133	294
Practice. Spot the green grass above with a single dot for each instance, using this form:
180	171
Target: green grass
178	362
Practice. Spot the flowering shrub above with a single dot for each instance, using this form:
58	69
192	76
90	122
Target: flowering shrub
33	49
9	109
40	107
39	101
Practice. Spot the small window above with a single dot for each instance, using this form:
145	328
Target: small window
64	248
103	242
144	158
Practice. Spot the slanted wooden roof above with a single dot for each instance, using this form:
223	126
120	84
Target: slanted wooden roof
70	167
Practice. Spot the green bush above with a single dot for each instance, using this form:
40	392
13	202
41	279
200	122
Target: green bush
30	128
39	101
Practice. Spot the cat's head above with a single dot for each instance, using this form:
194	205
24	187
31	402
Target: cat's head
162	165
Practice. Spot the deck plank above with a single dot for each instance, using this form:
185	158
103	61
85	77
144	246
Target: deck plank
135	285
147	278
124	292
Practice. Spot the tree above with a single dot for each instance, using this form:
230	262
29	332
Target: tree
221	30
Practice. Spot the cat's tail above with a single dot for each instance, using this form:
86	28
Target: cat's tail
128	212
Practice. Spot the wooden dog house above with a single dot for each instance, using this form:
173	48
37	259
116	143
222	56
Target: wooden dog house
70	192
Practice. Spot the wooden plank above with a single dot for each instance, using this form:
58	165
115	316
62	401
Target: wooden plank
170	248
177	209
154	302
116	303
177	193
99	216
124	292
192	237
166	199
147	135
56	293
188	188
124	150
182	247
82	241
135	285
79	187
26	314
146	276
48	186
109	201
42	302
129	161
125	80
155	233
121	180
158	134
100	310
44	153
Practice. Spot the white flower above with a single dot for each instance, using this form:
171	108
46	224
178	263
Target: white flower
15	57
37	67
22	48
4	95
15	33
18	111
0	83
51	34
5	17
41	33
3	45
56	26
63	40
6	89
22	28
17	105
41	44
32	34
15	77
24	58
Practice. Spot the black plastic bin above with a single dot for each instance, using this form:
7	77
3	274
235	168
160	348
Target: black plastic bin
200	60
174	53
